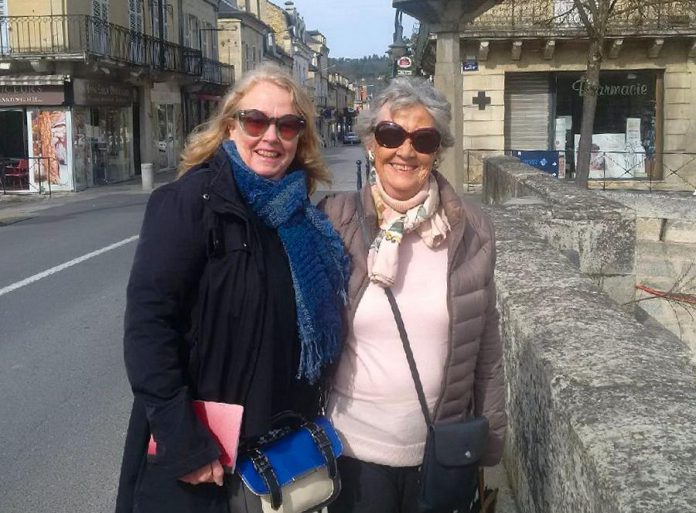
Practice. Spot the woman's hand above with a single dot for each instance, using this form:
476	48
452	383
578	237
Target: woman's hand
210	473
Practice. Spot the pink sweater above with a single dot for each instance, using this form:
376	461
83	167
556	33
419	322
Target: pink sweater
373	403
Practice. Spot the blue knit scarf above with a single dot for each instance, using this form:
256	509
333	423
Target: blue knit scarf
319	265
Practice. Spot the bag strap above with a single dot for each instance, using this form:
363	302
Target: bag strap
323	443
399	323
409	355
260	462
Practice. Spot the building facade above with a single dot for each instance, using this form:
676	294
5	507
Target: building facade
90	89
318	81
341	102
522	66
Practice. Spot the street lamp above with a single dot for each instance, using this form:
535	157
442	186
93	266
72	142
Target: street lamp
398	48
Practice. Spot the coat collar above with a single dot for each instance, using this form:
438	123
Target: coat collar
224	196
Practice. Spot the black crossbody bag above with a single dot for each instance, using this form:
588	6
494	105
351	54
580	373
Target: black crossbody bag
449	475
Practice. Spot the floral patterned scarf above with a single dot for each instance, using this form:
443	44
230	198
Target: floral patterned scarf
422	214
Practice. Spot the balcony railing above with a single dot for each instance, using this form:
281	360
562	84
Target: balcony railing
558	18
76	36
215	72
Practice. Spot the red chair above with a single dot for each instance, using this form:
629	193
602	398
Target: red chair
18	174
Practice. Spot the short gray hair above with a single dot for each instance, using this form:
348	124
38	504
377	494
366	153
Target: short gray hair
405	92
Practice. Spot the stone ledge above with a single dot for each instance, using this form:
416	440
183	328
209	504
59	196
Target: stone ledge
597	233
602	410
658	205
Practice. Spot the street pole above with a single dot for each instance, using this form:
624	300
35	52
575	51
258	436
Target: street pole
398	48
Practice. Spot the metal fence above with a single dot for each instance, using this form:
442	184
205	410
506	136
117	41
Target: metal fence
216	72
625	170
80	35
608	169
27	174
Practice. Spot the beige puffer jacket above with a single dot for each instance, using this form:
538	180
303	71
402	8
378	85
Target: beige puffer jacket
475	354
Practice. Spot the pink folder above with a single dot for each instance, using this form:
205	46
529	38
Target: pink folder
224	422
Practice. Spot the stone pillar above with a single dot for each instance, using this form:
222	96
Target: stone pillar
448	80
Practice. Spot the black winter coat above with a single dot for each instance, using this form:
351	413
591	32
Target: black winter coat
210	315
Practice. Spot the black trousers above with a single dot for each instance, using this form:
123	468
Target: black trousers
372	488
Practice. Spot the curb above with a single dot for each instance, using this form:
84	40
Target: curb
13	220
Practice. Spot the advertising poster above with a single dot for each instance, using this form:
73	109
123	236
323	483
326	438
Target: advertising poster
635	152
49	150
608	158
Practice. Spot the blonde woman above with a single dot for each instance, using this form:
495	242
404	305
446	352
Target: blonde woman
235	295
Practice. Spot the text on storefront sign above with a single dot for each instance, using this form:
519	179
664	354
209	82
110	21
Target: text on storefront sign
636	89
31	95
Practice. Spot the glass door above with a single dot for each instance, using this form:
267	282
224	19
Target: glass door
13	150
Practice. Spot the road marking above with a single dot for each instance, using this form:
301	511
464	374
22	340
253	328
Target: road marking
61	267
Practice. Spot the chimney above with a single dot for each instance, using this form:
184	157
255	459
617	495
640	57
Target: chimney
290	7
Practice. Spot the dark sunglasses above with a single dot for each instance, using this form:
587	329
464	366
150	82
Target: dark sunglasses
254	123
390	135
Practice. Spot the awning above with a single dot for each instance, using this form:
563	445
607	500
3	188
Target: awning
30	80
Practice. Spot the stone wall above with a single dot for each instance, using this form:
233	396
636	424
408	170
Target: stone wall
665	258
601	407
595	233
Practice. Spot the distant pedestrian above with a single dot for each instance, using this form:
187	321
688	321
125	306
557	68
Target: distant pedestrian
234	296
437	254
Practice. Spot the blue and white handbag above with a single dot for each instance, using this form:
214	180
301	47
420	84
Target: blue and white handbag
294	470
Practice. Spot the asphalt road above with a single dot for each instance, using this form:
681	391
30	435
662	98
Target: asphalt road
65	397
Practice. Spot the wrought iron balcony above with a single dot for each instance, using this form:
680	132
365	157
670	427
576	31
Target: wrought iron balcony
69	37
215	72
558	18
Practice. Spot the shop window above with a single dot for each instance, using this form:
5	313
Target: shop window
625	140
110	144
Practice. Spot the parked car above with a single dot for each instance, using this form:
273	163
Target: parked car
351	138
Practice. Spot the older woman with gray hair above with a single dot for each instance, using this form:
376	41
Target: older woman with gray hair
409	231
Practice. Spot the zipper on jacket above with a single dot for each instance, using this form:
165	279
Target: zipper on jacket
450	342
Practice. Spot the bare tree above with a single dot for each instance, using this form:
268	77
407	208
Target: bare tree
680	298
599	17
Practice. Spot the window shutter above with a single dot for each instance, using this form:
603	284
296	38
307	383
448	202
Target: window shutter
528	108
135	15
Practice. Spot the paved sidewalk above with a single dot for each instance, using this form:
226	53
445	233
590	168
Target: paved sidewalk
17	207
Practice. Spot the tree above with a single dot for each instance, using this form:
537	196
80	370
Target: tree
599	17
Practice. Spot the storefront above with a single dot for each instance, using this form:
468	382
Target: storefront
36	126
103	128
62	136
543	112
168	123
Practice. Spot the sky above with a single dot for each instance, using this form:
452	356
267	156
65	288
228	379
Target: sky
354	28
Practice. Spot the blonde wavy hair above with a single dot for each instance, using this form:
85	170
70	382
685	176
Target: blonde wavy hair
207	137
